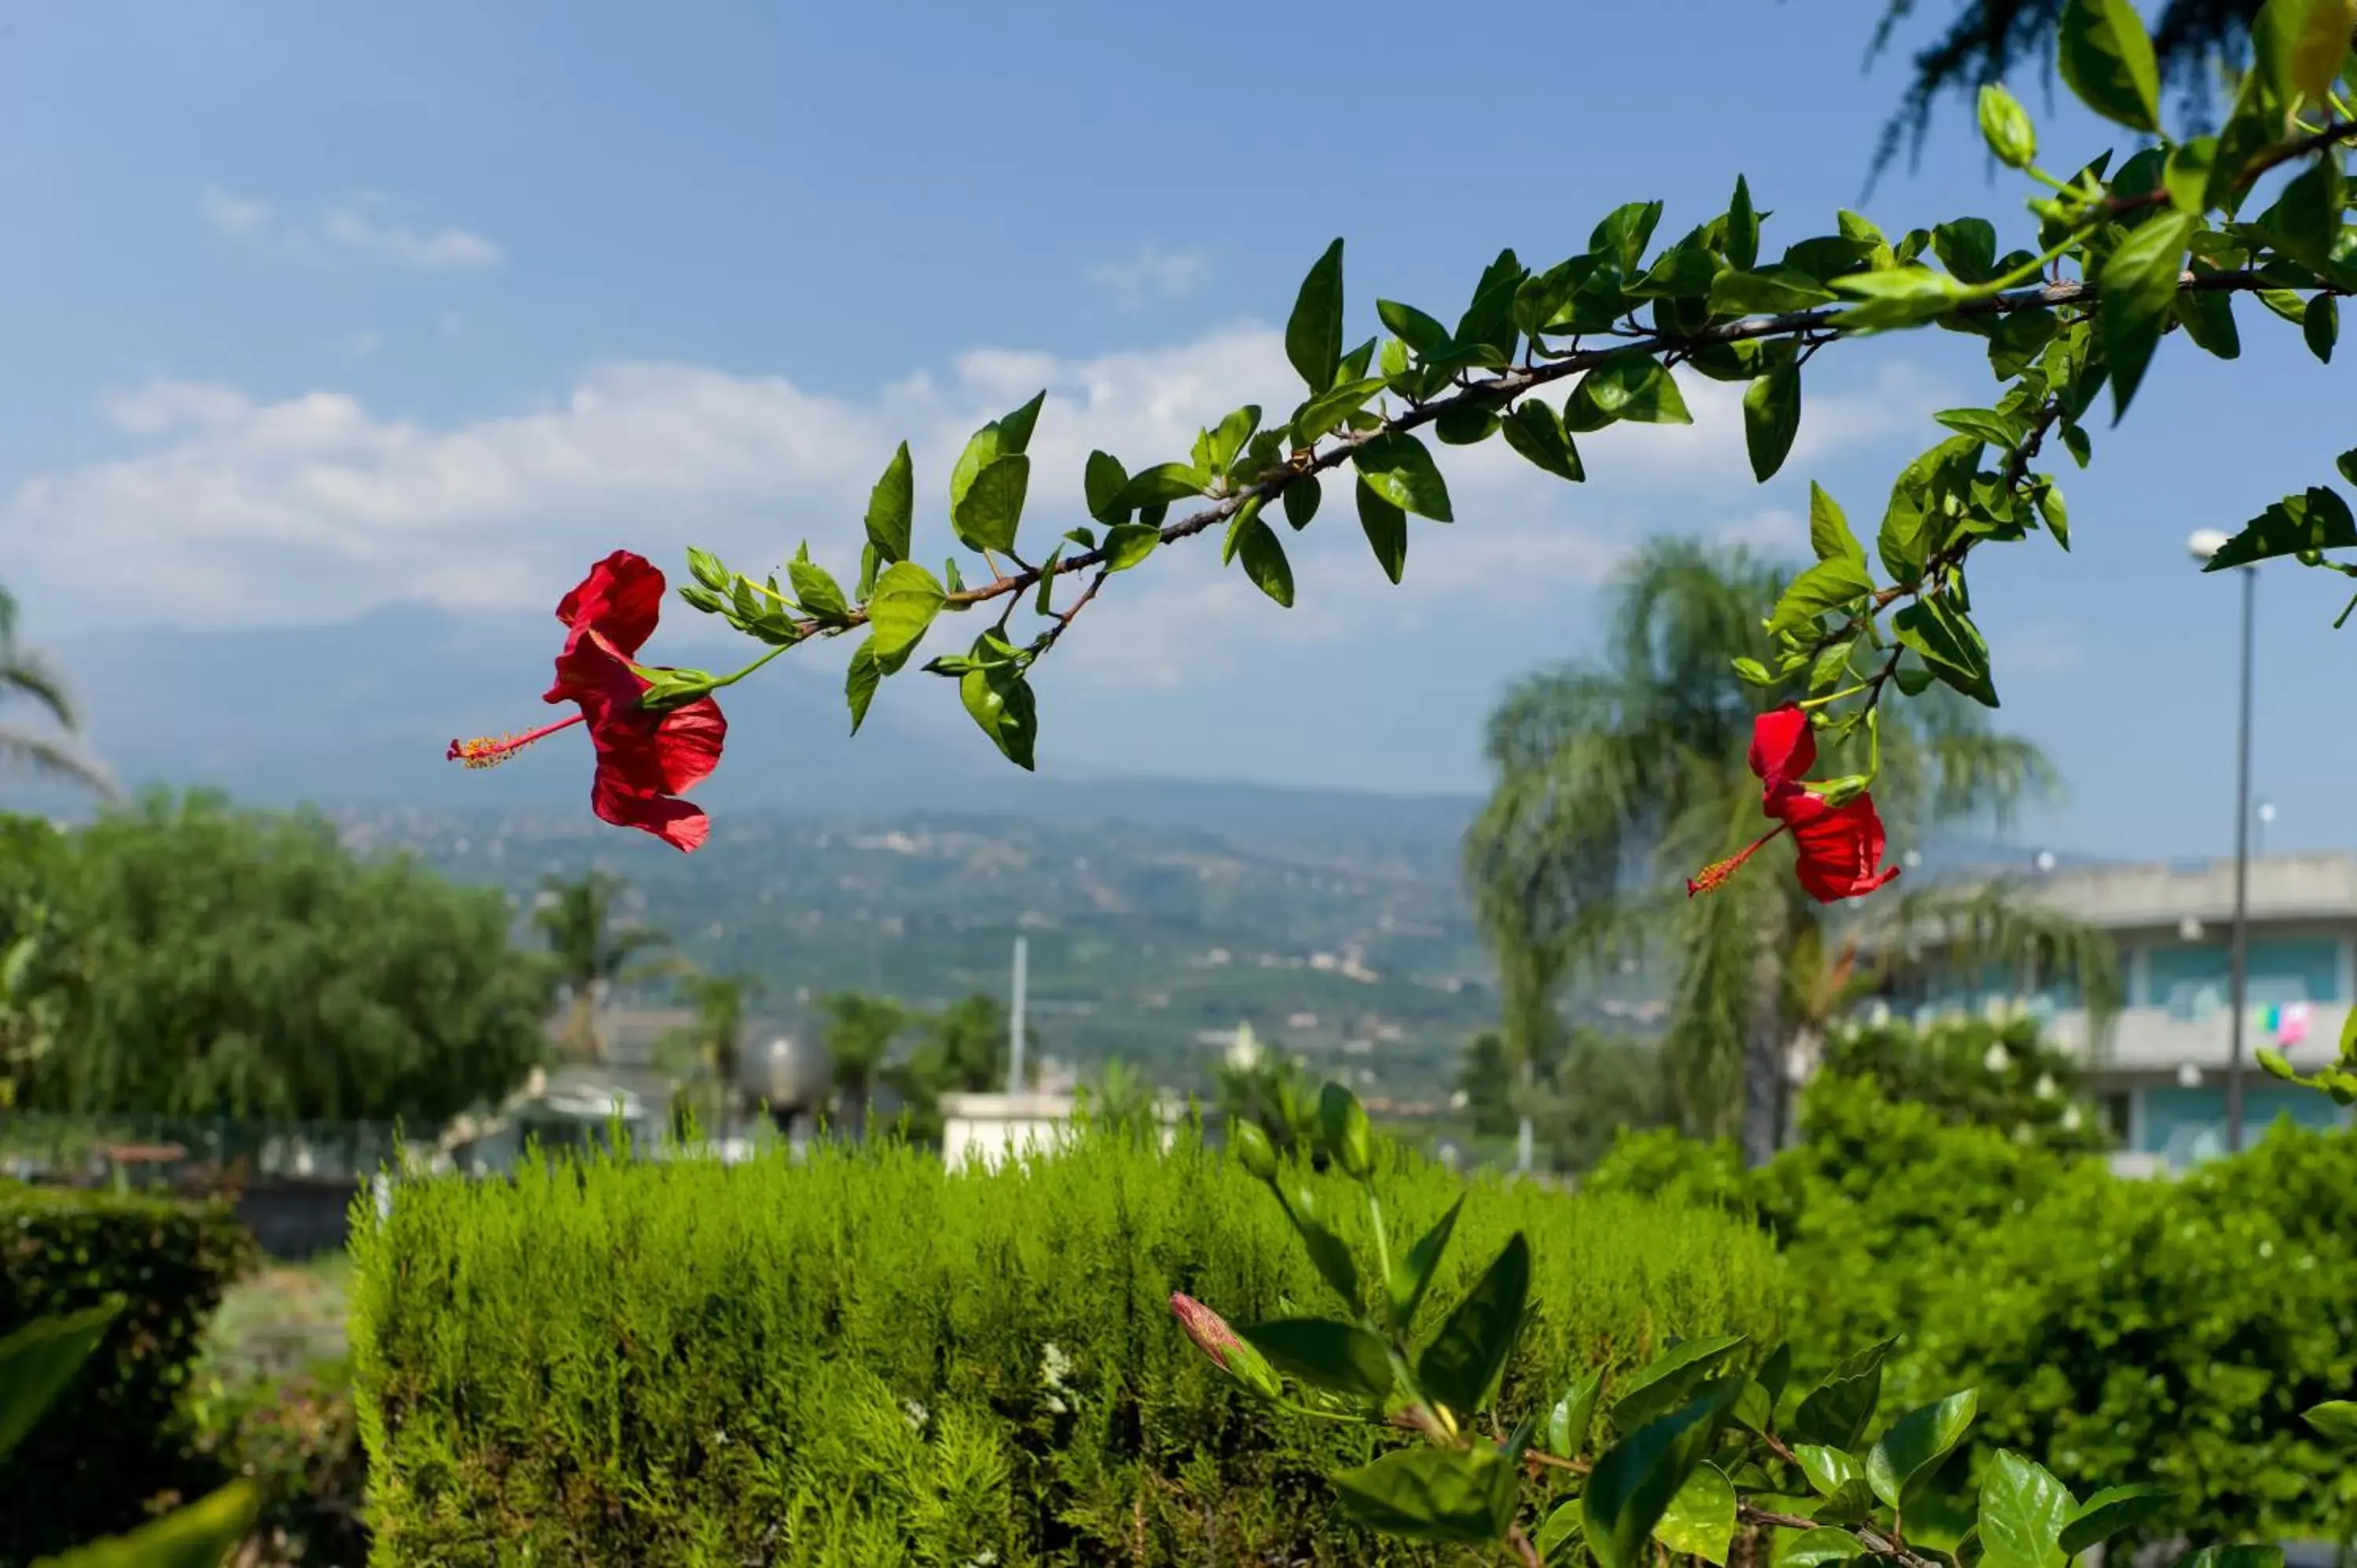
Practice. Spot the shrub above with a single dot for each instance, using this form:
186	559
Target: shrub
294	1435
112	1444
865	1359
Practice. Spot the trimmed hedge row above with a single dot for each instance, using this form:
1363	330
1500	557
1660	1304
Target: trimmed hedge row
864	1359
112	1441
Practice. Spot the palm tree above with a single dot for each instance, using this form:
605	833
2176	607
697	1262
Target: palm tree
859	1032
712	1046
24	672
1617	775
592	952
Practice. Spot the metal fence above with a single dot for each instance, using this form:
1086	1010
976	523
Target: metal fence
183	1152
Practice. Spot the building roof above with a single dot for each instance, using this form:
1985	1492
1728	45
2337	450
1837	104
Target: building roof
2282	887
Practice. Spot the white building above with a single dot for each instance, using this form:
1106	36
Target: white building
2159	1067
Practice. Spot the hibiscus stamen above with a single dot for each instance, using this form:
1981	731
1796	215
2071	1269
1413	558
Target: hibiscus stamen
1712	877
489	751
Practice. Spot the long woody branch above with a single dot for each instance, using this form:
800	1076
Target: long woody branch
1500	389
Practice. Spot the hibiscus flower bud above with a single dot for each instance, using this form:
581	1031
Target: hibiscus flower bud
1215	1339
1253	1150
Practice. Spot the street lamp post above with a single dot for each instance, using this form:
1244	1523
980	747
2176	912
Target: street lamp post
2202	546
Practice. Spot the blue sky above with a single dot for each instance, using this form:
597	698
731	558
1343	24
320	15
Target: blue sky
312	309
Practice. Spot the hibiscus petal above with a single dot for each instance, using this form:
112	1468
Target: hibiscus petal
620	600
1840	847
616	799
1782	747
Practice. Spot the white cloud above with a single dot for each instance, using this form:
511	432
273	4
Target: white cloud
239	216
313	507
440	250
356	228
1150	276
362	344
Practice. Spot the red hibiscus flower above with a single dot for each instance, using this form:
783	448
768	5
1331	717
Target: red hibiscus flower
1840	846
647	757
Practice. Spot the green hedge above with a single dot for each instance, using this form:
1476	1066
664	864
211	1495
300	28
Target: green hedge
865	1360
113	1442
2121	1330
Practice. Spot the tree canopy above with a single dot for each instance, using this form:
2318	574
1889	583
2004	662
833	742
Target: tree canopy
191	957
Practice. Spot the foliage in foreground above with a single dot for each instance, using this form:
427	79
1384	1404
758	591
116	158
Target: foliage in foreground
103	1301
1712	1440
2120	1330
867	1359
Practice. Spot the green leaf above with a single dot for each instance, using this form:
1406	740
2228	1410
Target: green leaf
1898	296
1633	386
2318	520
1412	1275
200	1535
2334	1419
2305	221
1829	531
1700	1521
1534	431
1828	256
1967	247
1015	429
815	587
1425	1493
1753	673
707	569
2300	45
2347	464
1489	321
1742	244
1828	1469
40	1359
1000	700
892	508
1224	442
2107	60
1687	269
2023	1511
1635	1481
2208	317
1386	529
2053	514
1771	418
906	600
2080	445
1573	1416
1815	1547
1159	486
1338	1356
1621	238
2106	1514
2001	430
1128	543
1325	1248
1466	424
986	517
1313	333
1461	1364
1397	467
1420	332
1102	484
1557	1540
1949	644
1301	498
2005	127
859	683
1669	1381
2321	326
1836	1412
1824	587
1901	1465
2139	294
1328	408
1264	562
1775	291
